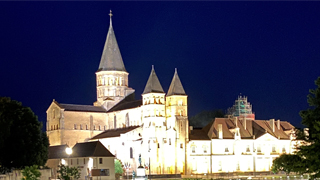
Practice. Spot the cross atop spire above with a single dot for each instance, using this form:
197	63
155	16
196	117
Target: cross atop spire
110	14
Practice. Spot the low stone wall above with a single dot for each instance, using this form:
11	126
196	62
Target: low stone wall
17	175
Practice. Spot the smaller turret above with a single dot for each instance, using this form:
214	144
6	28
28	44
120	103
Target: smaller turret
153	101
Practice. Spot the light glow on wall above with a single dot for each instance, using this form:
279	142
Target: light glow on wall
90	163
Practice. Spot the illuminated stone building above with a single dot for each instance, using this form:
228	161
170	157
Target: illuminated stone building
157	126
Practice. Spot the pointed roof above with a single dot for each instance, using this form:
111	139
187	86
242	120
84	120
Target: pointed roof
90	149
153	85
111	59
176	87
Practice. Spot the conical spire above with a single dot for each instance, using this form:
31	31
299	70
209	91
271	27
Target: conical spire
111	59
176	87
153	84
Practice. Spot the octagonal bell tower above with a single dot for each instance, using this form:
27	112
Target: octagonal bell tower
112	77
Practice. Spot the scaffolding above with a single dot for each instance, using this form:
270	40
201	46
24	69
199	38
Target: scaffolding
242	109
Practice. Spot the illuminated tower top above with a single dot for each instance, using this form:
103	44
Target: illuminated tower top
111	59
153	85
176	87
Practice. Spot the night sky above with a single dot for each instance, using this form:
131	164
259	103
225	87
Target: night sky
268	51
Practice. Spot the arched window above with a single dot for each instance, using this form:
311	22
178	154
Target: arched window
115	121
127	120
131	152
205	148
57	126
53	114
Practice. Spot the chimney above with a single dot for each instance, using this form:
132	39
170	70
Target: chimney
220	133
190	129
278	124
272	124
236	121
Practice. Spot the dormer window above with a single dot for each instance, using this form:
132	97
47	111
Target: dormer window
283	149
193	149
53	114
226	149
248	148
205	149
259	149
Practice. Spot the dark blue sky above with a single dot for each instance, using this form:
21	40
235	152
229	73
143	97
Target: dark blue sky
268	51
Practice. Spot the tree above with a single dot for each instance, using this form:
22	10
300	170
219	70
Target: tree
118	167
66	172
204	117
309	150
22	143
31	173
287	163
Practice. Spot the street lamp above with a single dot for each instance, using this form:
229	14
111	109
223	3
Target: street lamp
69	152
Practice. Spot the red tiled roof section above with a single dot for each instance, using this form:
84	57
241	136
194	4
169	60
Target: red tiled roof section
198	134
249	129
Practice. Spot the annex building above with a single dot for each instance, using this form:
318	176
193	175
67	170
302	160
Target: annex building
157	127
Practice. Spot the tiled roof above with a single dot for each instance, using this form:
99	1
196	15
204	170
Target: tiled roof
176	87
248	130
153	84
57	152
90	149
83	108
126	105
286	125
111	59
114	132
198	134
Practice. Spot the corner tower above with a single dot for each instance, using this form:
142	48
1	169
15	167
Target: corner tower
177	119
112	77
153	101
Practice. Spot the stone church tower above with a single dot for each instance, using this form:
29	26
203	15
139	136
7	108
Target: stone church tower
112	77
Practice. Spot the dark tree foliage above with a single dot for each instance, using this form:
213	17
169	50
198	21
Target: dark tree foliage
287	163
22	143
68	173
204	117
309	151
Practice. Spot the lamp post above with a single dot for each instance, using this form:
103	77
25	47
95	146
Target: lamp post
149	163
69	152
